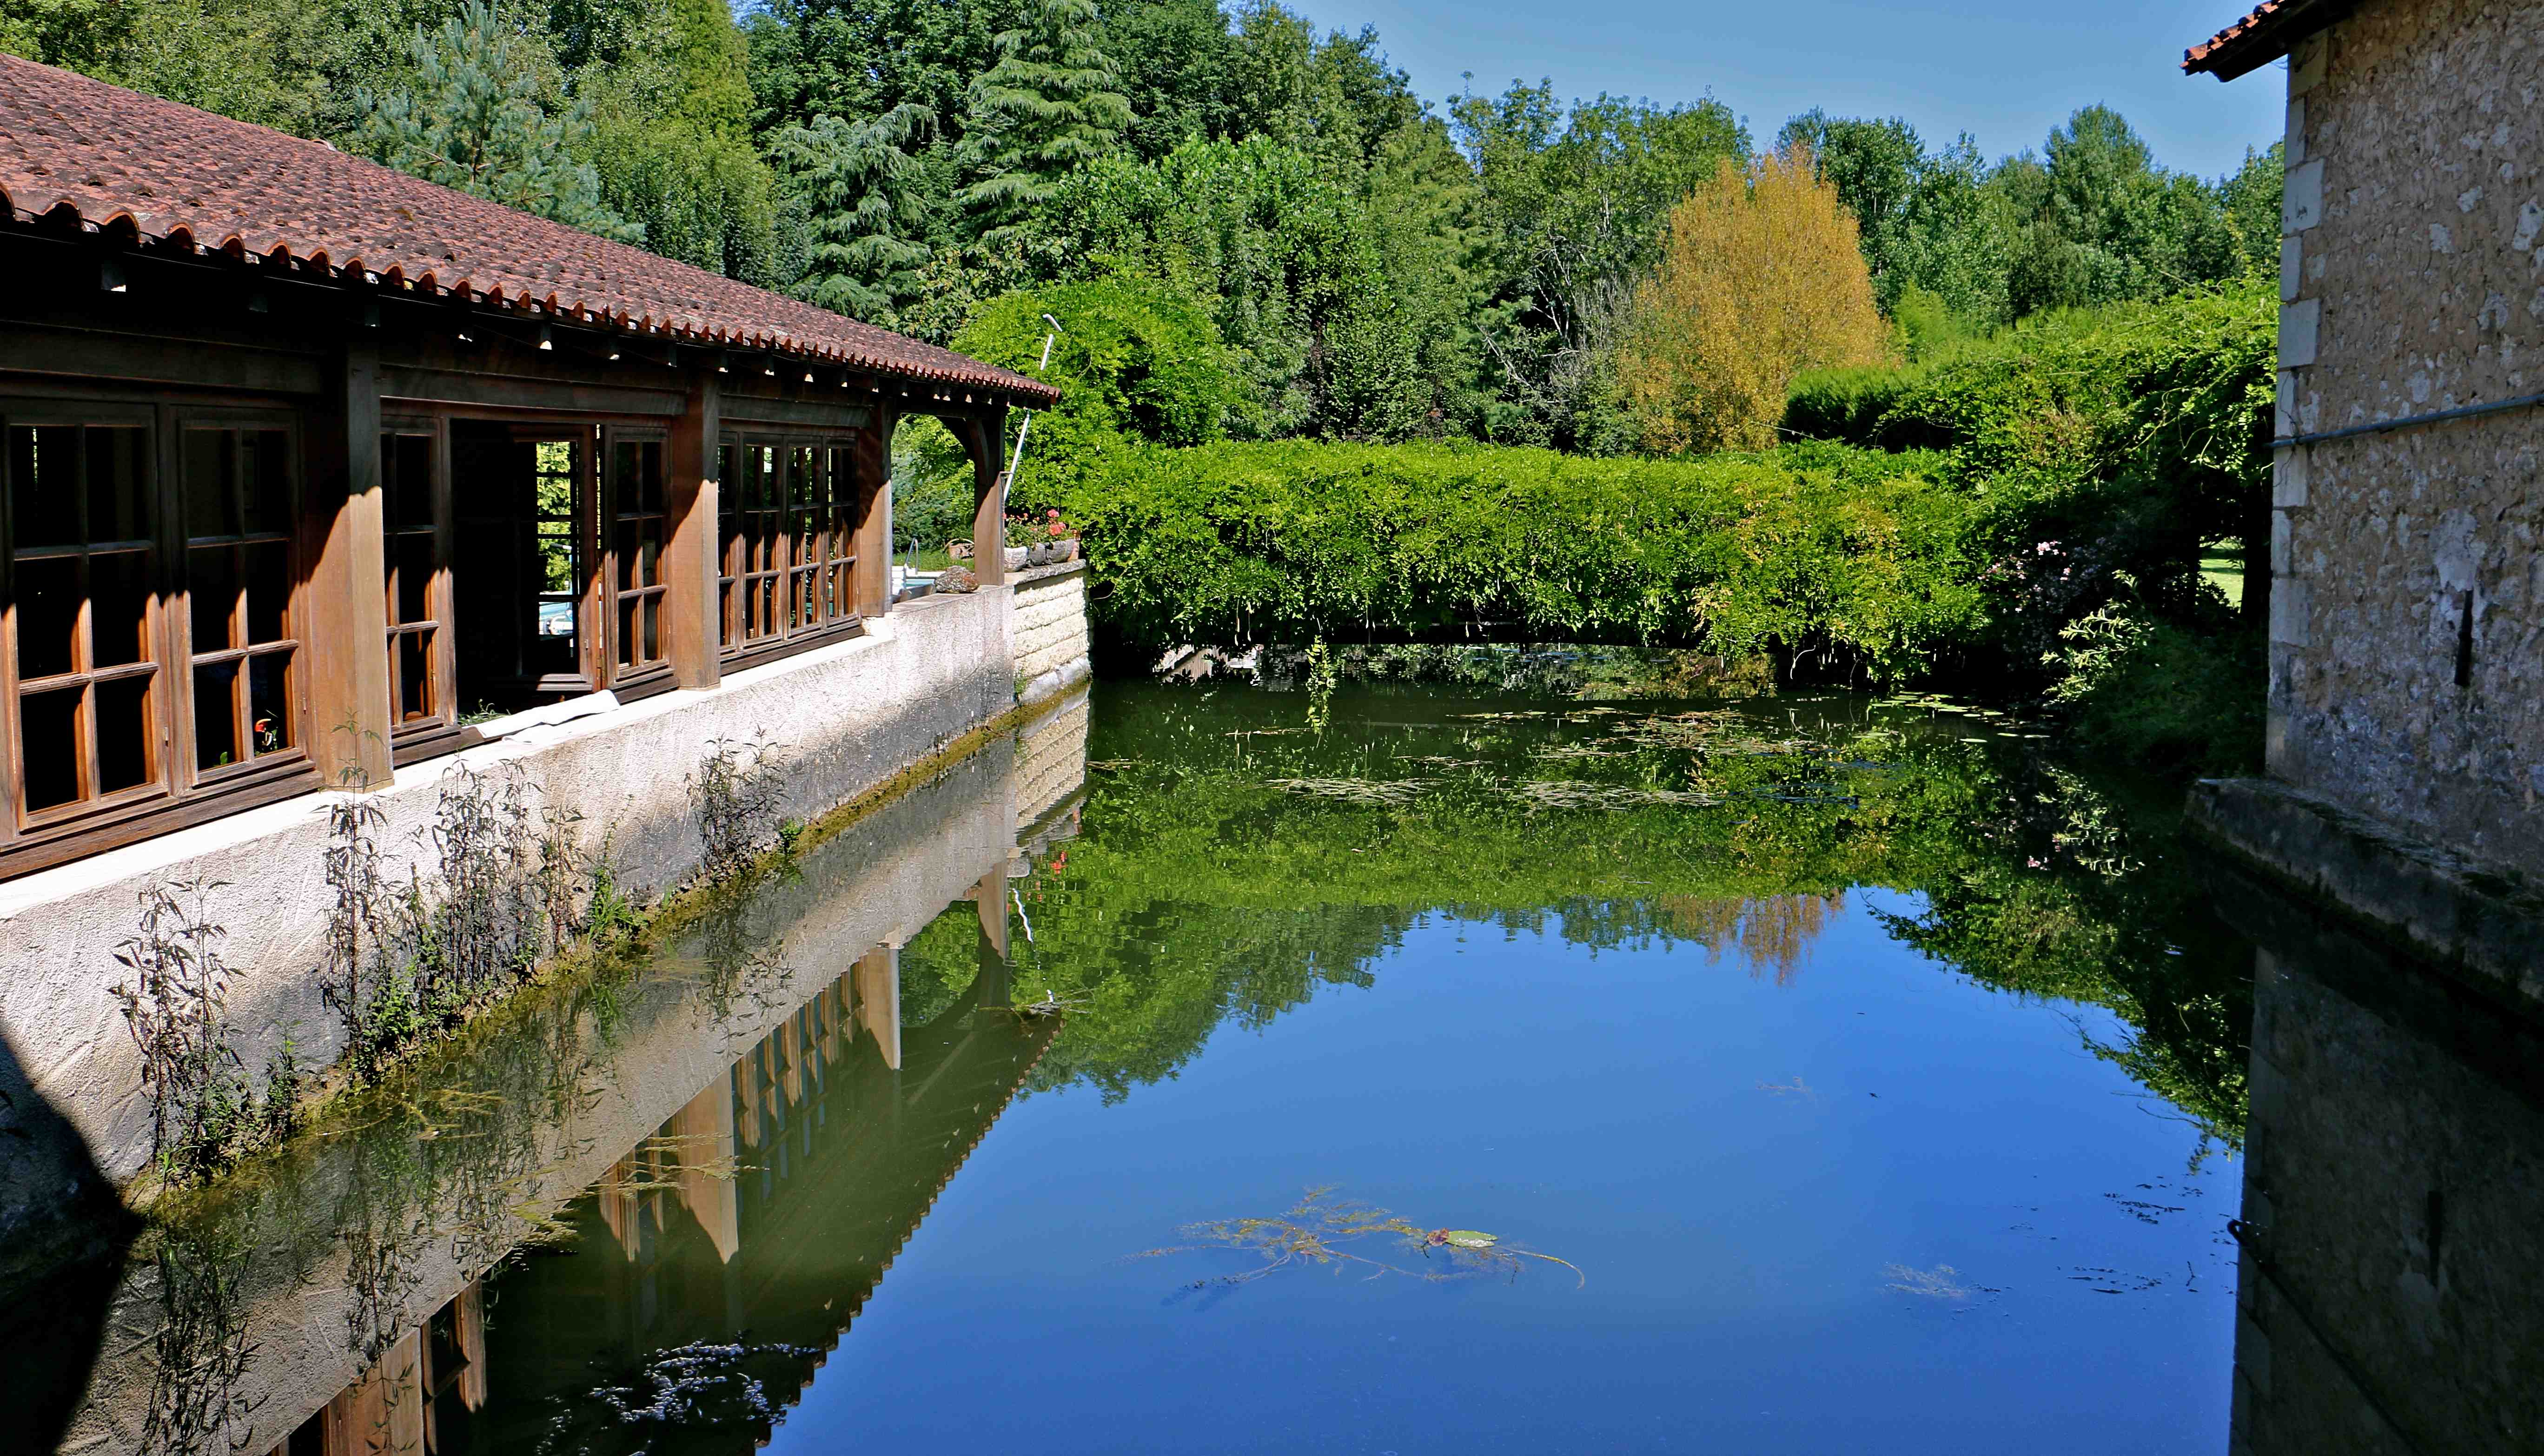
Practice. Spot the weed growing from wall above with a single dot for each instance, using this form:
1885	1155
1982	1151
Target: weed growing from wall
175	1004
734	793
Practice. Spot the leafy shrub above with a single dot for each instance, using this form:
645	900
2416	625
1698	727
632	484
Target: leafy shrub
1837	559
2160	695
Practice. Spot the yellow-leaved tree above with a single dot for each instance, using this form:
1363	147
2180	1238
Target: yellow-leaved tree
1760	278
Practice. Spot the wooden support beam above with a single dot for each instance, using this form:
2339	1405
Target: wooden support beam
874	518
343	604
878	984
985	438
690	554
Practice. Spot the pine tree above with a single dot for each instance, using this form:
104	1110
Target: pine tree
472	120
857	179
1050	104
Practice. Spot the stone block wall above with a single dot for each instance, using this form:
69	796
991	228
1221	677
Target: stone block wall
1051	633
2407	658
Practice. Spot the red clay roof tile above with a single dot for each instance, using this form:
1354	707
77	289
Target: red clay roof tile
108	154
2259	38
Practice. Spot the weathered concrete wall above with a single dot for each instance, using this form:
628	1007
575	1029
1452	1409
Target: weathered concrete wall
2390	1282
849	716
300	1290
2412	274
1051	630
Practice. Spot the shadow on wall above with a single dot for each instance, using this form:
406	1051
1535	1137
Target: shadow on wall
61	1264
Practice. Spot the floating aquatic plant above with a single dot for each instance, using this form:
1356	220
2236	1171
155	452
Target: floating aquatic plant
1345	1234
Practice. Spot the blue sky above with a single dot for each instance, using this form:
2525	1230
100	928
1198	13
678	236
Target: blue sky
2004	70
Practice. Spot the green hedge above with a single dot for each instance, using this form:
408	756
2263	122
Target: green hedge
2176	394
1851	558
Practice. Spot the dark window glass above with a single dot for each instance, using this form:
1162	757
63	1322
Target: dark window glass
48	602
45	486
49	736
123	733
120	593
216	715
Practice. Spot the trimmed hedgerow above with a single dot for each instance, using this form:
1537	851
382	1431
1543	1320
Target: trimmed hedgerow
1851	559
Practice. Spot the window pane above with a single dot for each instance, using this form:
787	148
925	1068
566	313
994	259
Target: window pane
652	629
216	726
118	497
648	493
49	733
211	482
415	676
268	591
269	693
628	641
728	483
48	602
269	480
124	734
413	559
211	582
408	462
120	590
45	485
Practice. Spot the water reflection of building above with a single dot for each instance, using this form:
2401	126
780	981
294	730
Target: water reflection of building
2392	1290
337	1301
765	1210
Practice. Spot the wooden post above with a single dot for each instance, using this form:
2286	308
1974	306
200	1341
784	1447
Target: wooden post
878	976
689	551
874	519
344	602
986	440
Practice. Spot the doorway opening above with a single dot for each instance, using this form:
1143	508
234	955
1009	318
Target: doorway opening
524	567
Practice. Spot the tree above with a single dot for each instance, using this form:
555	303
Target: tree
670	98
1569	216
472	120
856	178
1876	167
1761	276
1051	105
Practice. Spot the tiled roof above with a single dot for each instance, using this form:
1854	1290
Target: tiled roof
2261	38
107	154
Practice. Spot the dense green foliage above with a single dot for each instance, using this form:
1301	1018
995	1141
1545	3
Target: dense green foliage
2102	448
1855	556
1383	266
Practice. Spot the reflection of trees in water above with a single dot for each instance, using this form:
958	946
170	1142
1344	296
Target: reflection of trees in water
1772	932
1204	891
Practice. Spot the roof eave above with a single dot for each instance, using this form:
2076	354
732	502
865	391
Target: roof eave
2259	39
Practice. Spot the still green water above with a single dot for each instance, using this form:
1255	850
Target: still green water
1828	1074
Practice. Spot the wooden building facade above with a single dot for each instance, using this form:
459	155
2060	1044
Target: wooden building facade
305	462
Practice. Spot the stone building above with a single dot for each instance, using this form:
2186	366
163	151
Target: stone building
2406	727
322	483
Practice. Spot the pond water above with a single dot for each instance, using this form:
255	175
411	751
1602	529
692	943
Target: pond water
1797	1073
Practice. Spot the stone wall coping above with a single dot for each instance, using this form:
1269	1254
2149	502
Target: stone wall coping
1035	576
2475	922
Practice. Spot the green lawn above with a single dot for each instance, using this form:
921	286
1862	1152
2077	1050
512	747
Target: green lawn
2222	563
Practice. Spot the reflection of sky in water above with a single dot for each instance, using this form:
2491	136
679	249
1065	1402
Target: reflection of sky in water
1874	1208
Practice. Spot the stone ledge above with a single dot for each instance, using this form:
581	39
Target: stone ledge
1035	576
2478	923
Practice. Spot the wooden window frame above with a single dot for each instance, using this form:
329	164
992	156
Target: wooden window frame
438	732
619	587
784	577
175	795
298	551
